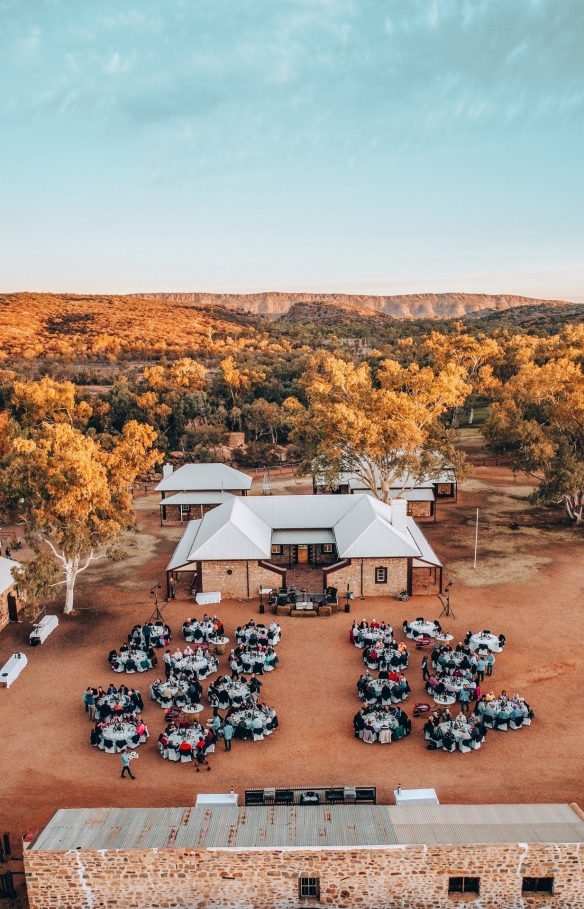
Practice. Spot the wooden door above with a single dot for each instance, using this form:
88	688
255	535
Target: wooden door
302	554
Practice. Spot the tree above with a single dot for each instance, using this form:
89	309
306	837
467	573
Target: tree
72	494
379	427
262	418
538	419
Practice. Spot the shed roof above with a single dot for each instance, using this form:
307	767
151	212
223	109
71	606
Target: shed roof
214	497
195	477
180	555
6	579
330	826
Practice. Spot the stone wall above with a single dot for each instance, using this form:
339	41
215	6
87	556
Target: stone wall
397	577
389	877
4	607
244	581
420	509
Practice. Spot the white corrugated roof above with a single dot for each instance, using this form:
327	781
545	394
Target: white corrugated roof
180	555
232	531
366	531
197	498
244	528
427	553
195	477
6	579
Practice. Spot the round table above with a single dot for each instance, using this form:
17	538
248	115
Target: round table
482	641
388	658
192	735
202	666
445	700
233	690
205	630
383	724
377	685
176	691
140	657
245	717
424	628
266	634
120	735
112	700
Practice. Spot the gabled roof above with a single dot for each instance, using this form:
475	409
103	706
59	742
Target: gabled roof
427	553
180	556
196	477
231	531
6	579
366	531
197	498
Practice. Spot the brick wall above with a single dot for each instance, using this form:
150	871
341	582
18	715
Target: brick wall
420	509
235	585
3	610
390	877
397	577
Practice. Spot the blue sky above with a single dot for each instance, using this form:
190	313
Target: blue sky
381	146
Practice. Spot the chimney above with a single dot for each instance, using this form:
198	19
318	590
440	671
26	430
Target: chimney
399	514
167	470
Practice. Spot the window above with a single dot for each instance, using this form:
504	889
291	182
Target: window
381	575
276	549
309	888
464	884
327	547
538	885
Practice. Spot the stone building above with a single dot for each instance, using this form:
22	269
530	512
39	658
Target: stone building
8	600
194	489
367	856
351	543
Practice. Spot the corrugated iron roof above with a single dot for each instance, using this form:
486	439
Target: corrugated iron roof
215	497
195	477
305	826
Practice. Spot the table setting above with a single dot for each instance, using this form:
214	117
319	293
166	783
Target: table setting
375	687
259	634
116	735
252	720
226	692
193	735
131	661
484	641
112	701
383	728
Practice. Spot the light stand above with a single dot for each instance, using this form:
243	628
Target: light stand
446	610
157	614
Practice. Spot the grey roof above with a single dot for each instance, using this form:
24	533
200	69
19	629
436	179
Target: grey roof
197	477
427	554
332	826
429	824
214	497
180	555
242	528
302	536
6	579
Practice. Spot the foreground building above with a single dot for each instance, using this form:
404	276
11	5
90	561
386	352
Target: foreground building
387	857
351	543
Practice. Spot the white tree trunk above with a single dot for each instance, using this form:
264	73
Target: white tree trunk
71	568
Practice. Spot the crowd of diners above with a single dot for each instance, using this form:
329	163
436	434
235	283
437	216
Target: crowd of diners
110	708
253	634
381	724
380	649
205	629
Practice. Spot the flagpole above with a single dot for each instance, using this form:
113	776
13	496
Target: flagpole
476	539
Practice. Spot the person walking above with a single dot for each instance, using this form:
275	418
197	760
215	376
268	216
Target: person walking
126	764
425	673
227	736
481	666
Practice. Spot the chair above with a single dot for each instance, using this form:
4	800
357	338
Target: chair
501	725
108	746
136	739
448	745
186	757
258	736
368	736
385	736
516	724
173	754
464	745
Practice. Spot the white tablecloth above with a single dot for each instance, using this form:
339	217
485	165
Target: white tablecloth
425	628
204	599
120	736
485	642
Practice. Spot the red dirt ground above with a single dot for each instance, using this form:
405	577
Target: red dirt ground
528	585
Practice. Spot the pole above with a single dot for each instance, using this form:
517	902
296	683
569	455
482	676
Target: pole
476	539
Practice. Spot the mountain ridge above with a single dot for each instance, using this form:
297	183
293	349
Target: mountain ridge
273	304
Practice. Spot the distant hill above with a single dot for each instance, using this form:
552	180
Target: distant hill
409	306
536	317
336	314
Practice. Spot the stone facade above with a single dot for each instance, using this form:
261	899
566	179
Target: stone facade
237	580
387	877
360	576
4	606
420	509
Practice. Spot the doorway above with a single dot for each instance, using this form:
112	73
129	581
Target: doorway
302	550
12	608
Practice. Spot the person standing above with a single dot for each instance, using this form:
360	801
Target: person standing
172	587
227	736
89	701
126	764
490	661
481	666
425	673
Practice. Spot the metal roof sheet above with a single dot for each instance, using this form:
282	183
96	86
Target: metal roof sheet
427	554
216	497
196	477
232	531
180	555
366	531
452	824
305	826
302	536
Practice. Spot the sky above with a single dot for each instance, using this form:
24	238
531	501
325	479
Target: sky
378	147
